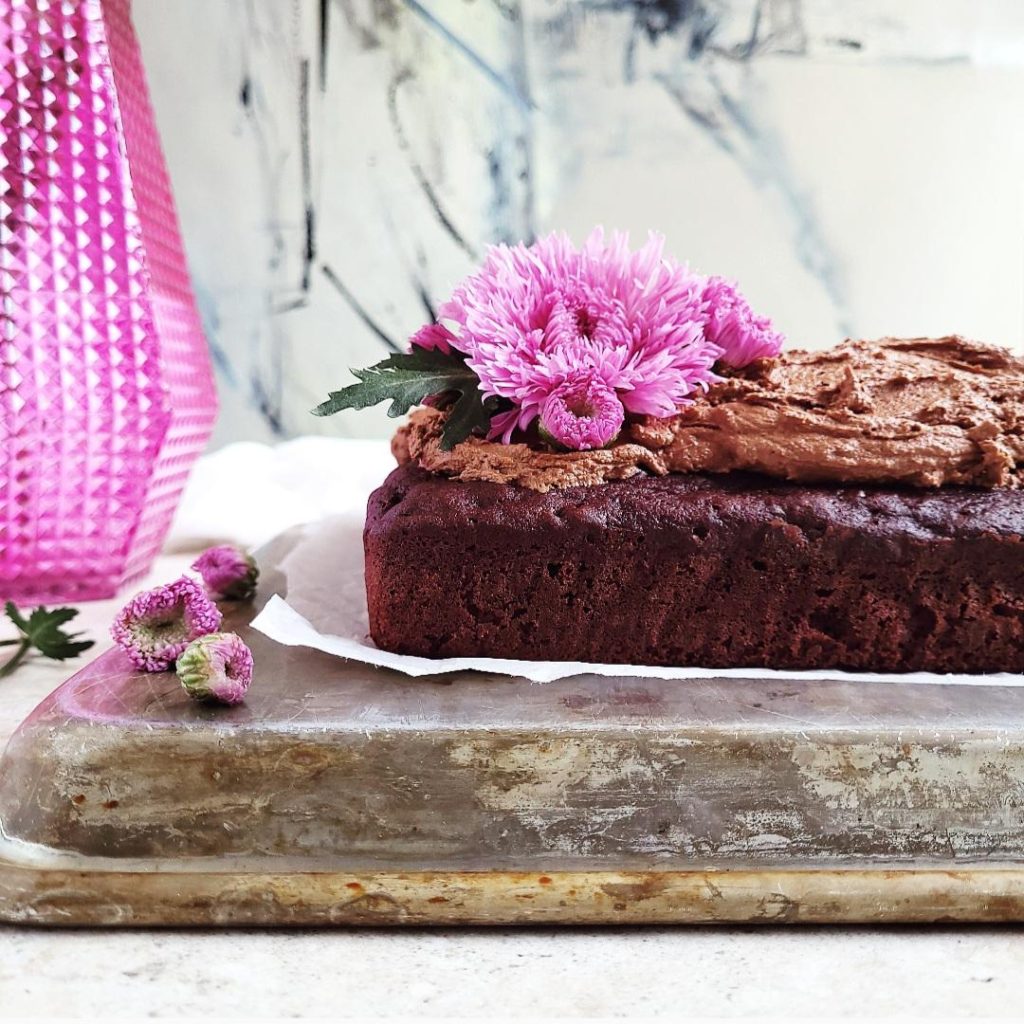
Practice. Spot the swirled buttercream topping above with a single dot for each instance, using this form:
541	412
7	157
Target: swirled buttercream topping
927	412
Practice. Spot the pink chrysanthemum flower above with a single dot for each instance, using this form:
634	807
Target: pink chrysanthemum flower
228	572
434	336
217	667
580	337
732	325
154	627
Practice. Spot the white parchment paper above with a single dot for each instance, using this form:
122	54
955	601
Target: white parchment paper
325	609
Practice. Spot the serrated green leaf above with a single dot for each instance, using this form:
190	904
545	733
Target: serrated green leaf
15	616
68	647
405	380
42	631
41	621
471	412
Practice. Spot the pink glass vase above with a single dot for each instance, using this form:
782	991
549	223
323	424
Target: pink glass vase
106	388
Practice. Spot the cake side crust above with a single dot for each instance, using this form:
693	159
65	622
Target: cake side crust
734	571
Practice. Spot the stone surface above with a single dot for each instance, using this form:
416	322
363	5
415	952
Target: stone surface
789	974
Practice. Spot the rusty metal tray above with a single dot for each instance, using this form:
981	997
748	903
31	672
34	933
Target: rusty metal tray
339	793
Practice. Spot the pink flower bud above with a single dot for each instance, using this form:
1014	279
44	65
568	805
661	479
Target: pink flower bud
228	572
216	667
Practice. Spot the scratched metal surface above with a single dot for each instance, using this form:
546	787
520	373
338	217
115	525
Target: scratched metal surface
330	765
343	794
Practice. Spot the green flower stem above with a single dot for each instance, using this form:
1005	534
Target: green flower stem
19	654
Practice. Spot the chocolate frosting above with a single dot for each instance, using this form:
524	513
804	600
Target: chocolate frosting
927	412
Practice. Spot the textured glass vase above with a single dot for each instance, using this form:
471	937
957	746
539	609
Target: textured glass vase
106	389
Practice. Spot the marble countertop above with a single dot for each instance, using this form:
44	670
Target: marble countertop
560	972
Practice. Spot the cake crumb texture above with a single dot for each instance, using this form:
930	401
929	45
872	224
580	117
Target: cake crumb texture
696	570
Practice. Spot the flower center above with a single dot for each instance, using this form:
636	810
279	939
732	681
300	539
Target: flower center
163	628
580	405
586	321
581	318
582	413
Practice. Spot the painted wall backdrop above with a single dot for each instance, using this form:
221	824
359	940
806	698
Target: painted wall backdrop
339	164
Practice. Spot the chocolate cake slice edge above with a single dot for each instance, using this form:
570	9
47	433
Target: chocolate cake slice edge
694	570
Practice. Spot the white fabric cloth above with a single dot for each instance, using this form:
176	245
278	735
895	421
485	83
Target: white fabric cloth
248	493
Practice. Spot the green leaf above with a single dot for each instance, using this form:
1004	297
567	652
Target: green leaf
404	380
12	613
42	630
470	413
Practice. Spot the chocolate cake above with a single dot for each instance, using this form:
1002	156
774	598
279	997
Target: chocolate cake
728	571
859	508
